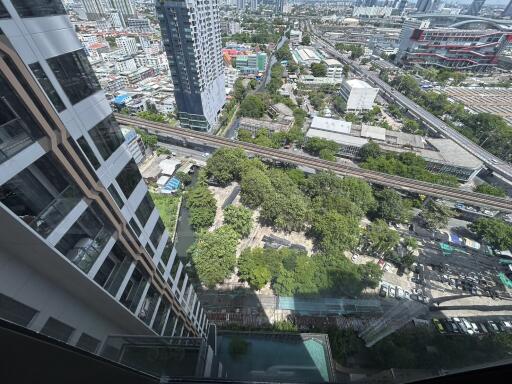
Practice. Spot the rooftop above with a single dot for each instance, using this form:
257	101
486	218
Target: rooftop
332	62
331	125
356	83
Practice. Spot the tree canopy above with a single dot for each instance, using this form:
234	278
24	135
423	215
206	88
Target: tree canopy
214	255
489	189
495	232
202	207
318	69
238	218
252	106
435	215
225	164
380	239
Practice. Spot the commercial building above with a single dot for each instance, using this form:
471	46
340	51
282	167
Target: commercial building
358	95
84	251
441	155
372	11
306	56
138	25
191	36
475	50
252	63
124	7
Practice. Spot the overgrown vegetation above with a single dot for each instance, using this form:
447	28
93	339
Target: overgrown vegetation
167	205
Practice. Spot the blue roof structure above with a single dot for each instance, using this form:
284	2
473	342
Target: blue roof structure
172	185
121	99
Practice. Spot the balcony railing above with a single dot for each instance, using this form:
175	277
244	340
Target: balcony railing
85	254
53	214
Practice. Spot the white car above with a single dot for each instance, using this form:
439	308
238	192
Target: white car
399	293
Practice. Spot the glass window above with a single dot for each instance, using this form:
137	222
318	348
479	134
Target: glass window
128	178
37	8
17	127
3	12
157	233
135	226
57	329
133	290
84	241
75	75
161	313
41	195
113	270
107	136
87	150
88	343
171	322
47	86
148	305
15	311
115	195
144	210
166	254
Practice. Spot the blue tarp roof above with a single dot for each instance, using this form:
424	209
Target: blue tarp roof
454	238
172	184
120	99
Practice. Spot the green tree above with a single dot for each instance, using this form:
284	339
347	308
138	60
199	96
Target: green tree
306	40
435	215
370	150
314	145
255	187
287	213
335	232
346	70
327	154
252	106
390	206
238	218
185	178
411	126
239	90
213	255
318	69
489	189
202	206
359	192
225	164
495	232
381	239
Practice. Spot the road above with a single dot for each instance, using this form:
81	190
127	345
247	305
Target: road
272	60
343	169
492	162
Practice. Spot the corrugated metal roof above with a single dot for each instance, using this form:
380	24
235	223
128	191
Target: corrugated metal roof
331	125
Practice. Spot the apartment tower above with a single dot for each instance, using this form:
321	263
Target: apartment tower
191	37
84	253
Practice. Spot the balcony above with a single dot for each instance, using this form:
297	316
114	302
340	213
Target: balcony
86	250
13	138
54	213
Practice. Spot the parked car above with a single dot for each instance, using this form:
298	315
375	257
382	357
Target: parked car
383	291
392	292
438	325
493	327
399	293
407	295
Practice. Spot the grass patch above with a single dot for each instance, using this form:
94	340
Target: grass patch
168	207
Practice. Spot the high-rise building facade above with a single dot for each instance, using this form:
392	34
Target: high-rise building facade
84	251
94	9
475	7
424	5
192	40
507	12
124	7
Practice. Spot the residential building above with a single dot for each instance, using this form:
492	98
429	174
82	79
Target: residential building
441	155
295	36
192	40
124	7
134	144
358	95
84	254
116	20
230	74
139	25
424	5
369	12
476	50
126	64
94	9
127	44
334	68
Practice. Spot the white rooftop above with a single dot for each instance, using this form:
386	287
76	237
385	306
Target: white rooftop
338	137
168	166
373	132
331	125
332	62
356	83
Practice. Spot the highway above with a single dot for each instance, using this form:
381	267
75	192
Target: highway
392	181
492	162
